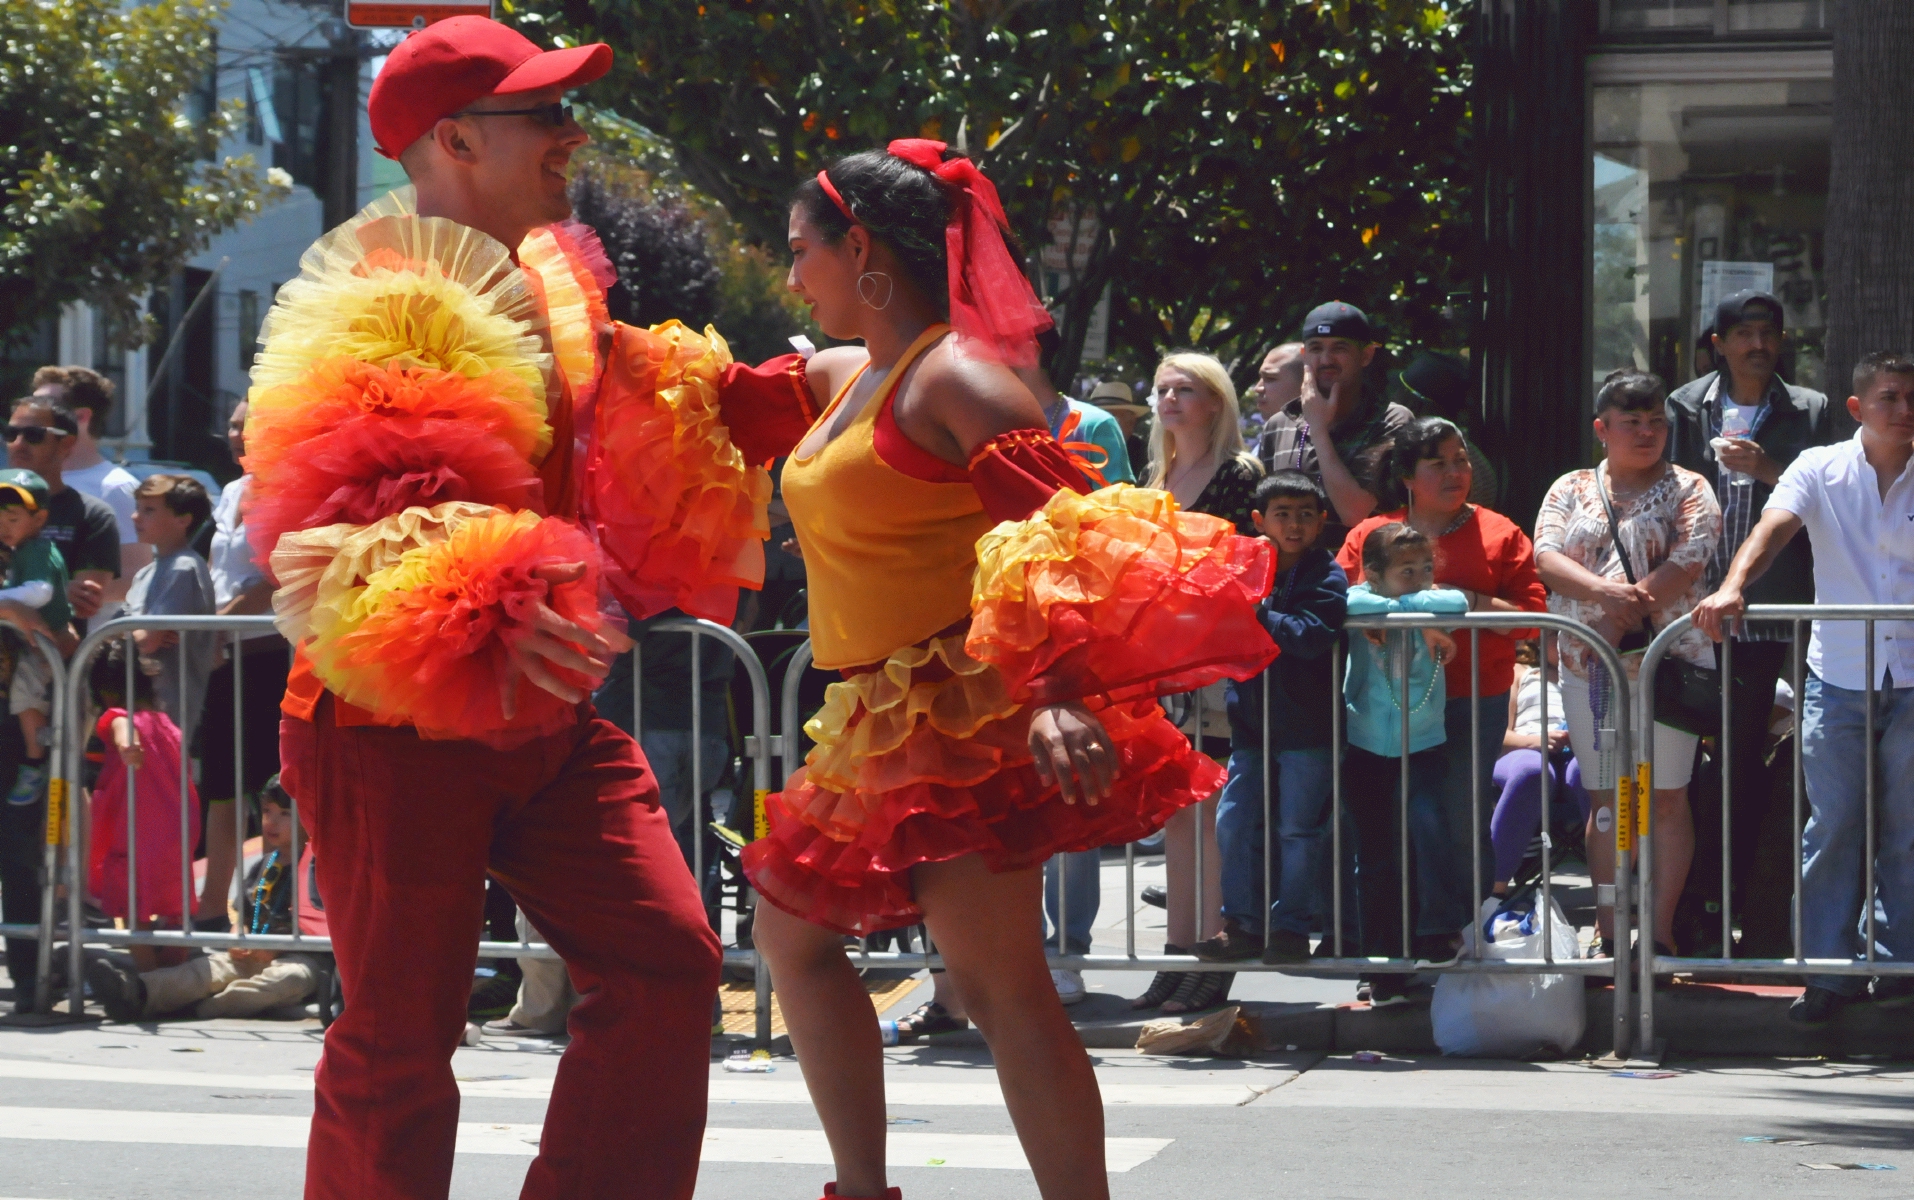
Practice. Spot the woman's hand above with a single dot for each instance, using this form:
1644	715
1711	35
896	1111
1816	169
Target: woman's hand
1627	602
1073	751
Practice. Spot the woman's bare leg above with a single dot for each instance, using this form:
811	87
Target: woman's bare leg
1600	845
1672	826
834	1031
983	925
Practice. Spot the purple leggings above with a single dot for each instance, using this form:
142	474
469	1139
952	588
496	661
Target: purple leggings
1518	813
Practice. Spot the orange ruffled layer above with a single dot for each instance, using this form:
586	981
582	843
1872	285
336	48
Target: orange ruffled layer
429	637
681	516
565	262
1121	594
924	760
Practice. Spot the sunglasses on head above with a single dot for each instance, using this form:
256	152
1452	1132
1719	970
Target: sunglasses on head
33	434
555	114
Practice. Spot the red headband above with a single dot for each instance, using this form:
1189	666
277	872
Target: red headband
991	303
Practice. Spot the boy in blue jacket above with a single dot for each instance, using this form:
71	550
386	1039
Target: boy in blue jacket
1304	614
1398	564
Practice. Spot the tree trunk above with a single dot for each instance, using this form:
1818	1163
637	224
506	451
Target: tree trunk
1870	238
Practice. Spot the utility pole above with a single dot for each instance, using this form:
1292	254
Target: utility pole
339	77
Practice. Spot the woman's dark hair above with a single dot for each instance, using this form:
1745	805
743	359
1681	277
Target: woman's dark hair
903	206
107	678
1386	541
1627	389
1419	439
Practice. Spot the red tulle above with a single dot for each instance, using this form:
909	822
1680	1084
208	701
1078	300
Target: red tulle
435	651
581	241
991	304
371	467
863	885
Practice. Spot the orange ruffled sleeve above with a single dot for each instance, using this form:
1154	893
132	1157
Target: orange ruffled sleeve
680	514
1118	594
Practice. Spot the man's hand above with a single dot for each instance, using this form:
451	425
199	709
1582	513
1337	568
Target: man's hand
1319	411
1714	615
1073	751
1741	454
86	596
152	641
557	642
1441	645
259	958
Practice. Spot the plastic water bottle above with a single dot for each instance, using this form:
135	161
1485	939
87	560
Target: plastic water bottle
1736	422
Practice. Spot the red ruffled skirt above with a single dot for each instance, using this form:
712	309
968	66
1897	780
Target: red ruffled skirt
924	759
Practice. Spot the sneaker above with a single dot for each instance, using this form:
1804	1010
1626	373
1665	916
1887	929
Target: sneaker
1234	944
1893	989
118	988
1070	987
28	784
1285	948
1816	1006
1437	949
505	1027
1388	990
1155	895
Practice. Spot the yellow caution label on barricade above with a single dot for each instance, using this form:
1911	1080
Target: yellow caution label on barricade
760	824
1624	815
56	812
1645	793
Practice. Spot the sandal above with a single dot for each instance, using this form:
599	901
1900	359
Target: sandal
928	1019
1163	985
1200	990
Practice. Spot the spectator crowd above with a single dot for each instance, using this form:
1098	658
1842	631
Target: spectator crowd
1732	490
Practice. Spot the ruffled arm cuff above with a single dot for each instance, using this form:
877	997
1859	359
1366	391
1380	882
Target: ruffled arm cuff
414	617
768	408
680	512
1016	473
1118	594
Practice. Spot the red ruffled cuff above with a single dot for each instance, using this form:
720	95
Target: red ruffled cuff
1016	473
768	408
1118	594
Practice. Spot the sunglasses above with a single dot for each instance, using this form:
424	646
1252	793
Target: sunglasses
555	114
33	434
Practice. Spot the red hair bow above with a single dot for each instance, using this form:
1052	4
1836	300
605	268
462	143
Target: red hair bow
990	298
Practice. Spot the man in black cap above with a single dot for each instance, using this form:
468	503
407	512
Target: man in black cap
1770	423
1333	432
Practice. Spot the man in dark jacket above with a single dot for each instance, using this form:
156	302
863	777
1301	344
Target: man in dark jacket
1784	420
1304	614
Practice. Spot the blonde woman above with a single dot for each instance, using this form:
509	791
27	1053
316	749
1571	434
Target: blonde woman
1197	455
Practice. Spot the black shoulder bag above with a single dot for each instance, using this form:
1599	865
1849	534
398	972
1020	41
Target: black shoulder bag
1687	697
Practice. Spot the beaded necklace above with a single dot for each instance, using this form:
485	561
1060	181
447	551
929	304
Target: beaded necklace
268	878
1389	686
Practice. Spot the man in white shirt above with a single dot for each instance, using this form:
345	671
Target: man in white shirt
1856	500
88	395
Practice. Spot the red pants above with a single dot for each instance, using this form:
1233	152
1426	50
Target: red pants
405	831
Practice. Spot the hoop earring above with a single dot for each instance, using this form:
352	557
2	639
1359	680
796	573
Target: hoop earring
869	279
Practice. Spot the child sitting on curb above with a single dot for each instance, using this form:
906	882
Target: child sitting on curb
240	982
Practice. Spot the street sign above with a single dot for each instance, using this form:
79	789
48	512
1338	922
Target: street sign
413	14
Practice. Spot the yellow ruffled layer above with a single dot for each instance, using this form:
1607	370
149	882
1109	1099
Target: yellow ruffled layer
568	308
324	572
1071	527
391	287
892	707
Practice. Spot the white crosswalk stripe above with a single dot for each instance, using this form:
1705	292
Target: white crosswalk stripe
721	1144
751	1090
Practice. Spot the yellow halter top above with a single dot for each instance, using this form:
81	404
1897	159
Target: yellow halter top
888	558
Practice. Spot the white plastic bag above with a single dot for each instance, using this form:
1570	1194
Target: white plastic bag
1511	1016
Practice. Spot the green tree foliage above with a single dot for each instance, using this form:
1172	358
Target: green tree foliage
107	182
1244	159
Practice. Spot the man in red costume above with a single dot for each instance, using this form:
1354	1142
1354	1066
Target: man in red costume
553	803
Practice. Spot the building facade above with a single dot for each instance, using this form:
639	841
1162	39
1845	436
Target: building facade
1640	159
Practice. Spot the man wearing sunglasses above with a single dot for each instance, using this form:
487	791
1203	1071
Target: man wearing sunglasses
40	436
567	820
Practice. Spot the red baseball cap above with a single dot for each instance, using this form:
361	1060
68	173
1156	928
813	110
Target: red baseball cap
449	64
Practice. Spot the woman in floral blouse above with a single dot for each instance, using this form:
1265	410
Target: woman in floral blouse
1669	522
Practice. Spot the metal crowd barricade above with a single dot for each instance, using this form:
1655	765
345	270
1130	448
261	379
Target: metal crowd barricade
68	824
1341	963
1797	616
41	933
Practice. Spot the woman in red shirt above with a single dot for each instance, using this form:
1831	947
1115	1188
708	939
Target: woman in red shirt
1491	561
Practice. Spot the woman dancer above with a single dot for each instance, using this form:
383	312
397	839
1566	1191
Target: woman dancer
998	701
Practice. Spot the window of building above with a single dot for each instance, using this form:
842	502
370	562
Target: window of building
1700	189
1717	17
248	328
299	110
